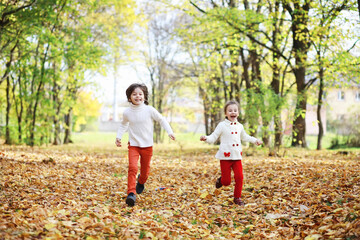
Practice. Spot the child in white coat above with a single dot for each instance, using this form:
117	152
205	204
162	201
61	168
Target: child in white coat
231	134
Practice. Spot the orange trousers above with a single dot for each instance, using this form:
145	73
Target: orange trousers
145	155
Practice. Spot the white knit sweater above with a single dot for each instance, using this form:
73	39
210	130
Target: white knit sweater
231	134
138	120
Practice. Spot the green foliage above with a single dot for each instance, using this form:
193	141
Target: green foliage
50	47
283	35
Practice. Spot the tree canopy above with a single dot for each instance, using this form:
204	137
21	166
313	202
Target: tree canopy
272	57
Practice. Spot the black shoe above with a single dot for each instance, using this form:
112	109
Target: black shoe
130	200
139	187
218	183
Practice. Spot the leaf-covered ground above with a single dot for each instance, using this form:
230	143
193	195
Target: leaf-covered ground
57	194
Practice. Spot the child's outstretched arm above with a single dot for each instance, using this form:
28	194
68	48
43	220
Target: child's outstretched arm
164	124
247	138
213	136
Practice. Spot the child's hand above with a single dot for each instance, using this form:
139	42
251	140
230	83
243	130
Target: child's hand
172	136
258	142
203	138
118	142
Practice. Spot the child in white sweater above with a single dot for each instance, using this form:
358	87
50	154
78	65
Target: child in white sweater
138	121
231	134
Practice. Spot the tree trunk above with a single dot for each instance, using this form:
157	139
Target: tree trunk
19	112
68	126
37	99
318	111
275	84
8	108
300	49
212	111
57	106
234	76
299	126
8	102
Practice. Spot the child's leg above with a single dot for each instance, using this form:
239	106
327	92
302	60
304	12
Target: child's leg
145	158
133	168
225	166
239	177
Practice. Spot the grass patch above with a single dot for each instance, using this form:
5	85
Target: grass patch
184	141
105	141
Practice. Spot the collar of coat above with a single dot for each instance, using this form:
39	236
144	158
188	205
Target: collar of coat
228	122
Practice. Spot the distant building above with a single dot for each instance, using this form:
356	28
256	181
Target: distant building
106	119
340	103
343	103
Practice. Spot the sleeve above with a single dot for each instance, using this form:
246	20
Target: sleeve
245	137
215	135
124	125
161	119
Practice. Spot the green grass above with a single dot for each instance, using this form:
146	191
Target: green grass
106	140
102	138
312	141
326	141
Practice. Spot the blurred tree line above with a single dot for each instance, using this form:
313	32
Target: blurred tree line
272	57
48	51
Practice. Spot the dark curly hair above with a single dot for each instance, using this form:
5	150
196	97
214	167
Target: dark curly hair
132	87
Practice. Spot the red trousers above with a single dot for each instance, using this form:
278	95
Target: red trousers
236	166
145	155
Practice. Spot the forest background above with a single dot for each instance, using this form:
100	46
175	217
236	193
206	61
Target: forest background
56	183
270	57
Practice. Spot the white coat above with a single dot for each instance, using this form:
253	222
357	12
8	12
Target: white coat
231	135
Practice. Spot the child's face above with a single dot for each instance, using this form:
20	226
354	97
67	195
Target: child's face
232	112
137	96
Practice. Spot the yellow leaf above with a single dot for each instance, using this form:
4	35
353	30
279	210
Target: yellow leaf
91	238
337	210
49	226
204	195
68	224
313	237
250	226
149	235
